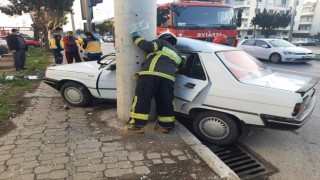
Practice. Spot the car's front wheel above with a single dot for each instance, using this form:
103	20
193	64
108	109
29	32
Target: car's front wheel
275	58
76	94
216	128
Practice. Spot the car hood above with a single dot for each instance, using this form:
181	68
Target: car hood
281	81
83	67
296	49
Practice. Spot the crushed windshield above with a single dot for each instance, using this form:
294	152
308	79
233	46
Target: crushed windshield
243	66
204	17
281	43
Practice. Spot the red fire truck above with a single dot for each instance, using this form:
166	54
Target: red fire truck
198	20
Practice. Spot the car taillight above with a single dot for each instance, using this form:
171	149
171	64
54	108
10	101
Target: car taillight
299	107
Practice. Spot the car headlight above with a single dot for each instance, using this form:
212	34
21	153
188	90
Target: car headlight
287	53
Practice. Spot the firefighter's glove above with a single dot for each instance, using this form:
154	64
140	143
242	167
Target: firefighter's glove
134	33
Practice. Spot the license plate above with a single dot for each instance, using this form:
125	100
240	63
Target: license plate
306	57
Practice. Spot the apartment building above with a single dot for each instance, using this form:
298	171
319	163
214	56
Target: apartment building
307	19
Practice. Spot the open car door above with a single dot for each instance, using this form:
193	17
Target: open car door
190	80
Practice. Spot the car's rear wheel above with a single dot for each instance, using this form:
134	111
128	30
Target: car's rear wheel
275	58
76	94
216	128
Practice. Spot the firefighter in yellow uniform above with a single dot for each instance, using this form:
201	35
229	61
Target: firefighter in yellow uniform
92	47
156	80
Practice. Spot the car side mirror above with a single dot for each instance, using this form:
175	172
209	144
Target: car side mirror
265	46
112	67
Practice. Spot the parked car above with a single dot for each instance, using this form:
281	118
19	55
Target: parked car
276	50
108	39
4	49
303	41
221	88
31	43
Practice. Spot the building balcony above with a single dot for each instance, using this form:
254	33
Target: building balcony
303	31
306	13
305	22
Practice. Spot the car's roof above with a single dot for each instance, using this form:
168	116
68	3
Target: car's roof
187	44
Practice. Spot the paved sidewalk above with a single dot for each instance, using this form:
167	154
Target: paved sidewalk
54	142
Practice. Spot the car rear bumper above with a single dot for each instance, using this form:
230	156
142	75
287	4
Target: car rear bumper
283	123
51	82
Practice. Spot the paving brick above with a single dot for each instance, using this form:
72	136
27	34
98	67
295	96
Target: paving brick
43	169
168	161
110	138
13	161
7	147
18	150
153	156
58	167
141	170
30	164
32	153
117	172
176	152
138	163
61	150
117	154
61	160
4	157
164	154
43	176
183	158
82	162
59	174
92	168
157	161
26	177
95	155
45	156
26	171
82	176
135	156
8	174
110	160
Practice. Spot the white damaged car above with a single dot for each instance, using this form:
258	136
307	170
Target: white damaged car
221	88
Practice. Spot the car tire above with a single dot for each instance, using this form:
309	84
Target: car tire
216	128
275	58
76	94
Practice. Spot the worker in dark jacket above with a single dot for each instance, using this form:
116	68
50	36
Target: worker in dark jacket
156	80
18	47
56	45
71	48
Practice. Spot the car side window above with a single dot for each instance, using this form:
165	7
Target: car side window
261	43
249	42
192	67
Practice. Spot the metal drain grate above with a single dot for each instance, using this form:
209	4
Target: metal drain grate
241	161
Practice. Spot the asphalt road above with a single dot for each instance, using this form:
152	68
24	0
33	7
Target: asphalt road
296	154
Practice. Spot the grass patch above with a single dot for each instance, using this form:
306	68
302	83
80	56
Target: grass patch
12	90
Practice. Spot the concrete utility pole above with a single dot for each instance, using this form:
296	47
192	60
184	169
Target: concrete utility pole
255	26
89	18
128	14
295	2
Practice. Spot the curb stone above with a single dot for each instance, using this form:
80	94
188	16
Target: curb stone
219	167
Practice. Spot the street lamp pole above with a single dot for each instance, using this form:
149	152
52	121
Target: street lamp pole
255	26
140	14
89	18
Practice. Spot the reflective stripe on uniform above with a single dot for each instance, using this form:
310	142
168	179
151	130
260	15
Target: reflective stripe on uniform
133	106
138	40
157	74
155	46
154	62
171	54
166	118
139	116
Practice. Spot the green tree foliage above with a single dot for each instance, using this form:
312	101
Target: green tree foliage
106	27
45	14
270	22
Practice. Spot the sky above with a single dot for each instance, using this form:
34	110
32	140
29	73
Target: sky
102	11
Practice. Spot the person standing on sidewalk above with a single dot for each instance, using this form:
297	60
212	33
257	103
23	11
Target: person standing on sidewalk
18	47
56	44
156	79
92	47
71	48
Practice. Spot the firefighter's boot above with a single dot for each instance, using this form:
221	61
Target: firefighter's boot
134	129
